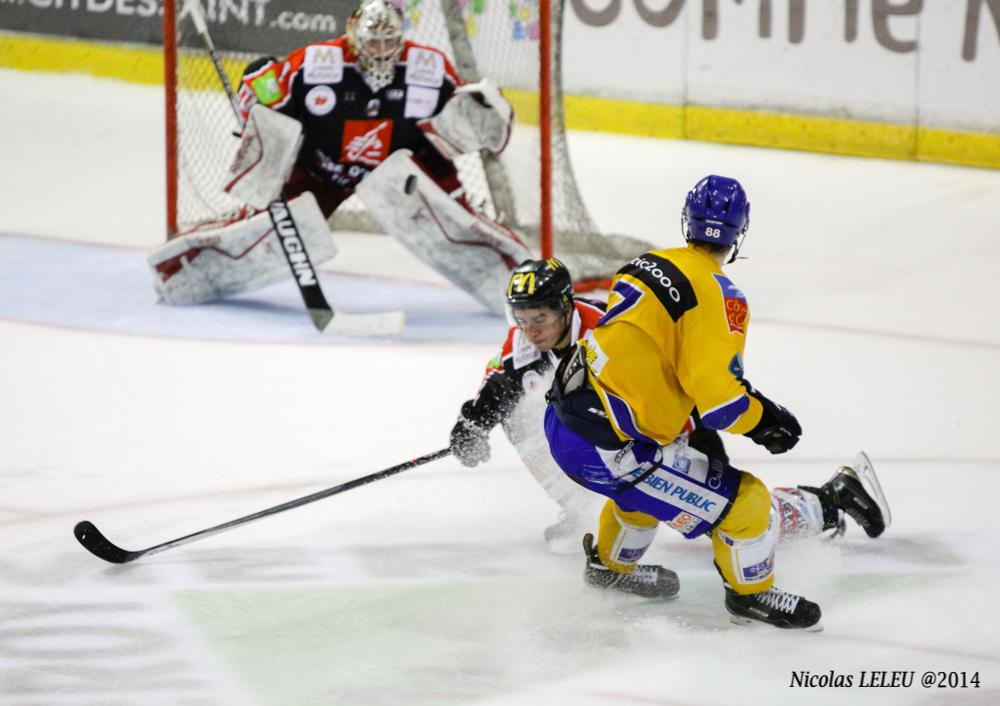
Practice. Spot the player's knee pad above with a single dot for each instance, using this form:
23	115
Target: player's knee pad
750	513
747	565
624	536
743	542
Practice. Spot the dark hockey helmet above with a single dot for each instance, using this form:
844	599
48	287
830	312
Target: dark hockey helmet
716	211
375	33
540	283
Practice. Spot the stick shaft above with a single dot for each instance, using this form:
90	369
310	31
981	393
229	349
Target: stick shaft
303	272
201	25
94	542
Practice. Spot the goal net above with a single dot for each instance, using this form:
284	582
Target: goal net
498	39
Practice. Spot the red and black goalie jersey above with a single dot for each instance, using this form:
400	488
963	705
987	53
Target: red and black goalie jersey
349	129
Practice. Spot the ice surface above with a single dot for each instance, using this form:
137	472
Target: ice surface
875	320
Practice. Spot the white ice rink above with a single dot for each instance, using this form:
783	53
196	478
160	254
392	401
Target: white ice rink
875	308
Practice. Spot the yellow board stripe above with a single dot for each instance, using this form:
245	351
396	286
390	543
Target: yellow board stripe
708	124
128	63
196	72
819	134
625	117
977	149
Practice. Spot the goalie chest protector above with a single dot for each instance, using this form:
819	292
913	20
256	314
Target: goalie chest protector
354	128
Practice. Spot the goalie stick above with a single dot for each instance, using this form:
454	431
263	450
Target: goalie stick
100	546
324	318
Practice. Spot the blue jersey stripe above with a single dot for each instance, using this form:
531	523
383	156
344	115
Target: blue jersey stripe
725	415
625	420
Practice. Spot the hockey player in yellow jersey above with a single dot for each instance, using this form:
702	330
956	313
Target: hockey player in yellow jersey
622	405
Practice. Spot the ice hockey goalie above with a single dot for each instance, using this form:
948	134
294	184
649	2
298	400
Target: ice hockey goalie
367	112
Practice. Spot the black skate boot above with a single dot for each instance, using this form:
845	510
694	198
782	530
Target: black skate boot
855	490
774	607
646	580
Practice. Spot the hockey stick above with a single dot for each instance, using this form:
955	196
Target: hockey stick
324	318
322	314
201	27
97	544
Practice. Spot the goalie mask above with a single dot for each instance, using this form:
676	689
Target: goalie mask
375	32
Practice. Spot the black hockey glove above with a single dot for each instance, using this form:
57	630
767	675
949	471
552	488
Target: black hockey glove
778	430
469	443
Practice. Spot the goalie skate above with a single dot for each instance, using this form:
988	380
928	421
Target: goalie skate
646	580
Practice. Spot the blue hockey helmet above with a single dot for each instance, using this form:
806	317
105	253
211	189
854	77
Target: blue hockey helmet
716	211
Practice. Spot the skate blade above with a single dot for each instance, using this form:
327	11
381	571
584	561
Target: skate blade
862	465
747	622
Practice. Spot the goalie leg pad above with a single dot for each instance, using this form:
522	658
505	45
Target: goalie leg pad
744	541
237	257
470	250
624	536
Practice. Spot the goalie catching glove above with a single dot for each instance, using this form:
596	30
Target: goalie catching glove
778	430
477	117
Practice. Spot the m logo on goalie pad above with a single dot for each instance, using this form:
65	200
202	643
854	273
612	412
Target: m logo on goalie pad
323	64
424	67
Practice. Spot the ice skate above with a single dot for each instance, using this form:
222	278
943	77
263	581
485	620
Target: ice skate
774	607
839	528
854	490
646	580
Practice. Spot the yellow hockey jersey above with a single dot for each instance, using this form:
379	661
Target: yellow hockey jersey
672	341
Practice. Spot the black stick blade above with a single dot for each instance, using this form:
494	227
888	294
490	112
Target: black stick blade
97	544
